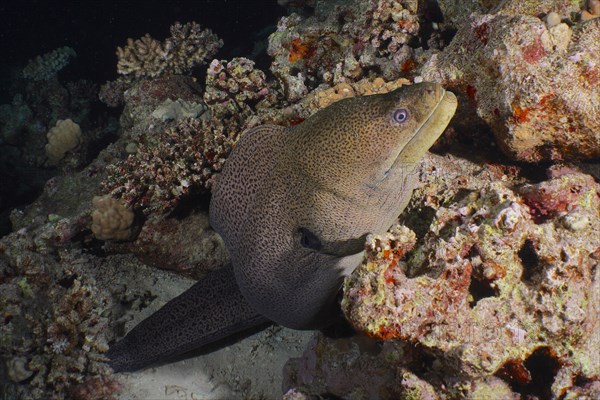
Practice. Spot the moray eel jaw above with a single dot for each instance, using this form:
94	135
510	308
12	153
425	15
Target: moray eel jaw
432	127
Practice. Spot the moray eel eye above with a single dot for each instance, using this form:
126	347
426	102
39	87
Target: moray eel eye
310	240
400	115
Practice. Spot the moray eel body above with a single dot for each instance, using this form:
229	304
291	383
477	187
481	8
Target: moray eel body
294	206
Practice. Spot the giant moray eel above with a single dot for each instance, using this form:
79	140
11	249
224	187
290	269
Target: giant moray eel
294	206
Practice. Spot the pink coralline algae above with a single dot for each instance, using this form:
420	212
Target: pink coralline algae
504	279
534	84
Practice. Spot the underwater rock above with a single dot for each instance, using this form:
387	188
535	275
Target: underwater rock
143	97
498	277
534	85
178	110
188	246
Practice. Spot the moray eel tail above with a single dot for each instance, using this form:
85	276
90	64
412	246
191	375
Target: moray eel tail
210	310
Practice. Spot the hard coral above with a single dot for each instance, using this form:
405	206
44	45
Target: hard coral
187	47
236	88
64	137
45	67
322	98
534	85
54	317
111	220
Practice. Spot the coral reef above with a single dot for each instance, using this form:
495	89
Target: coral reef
13	120
46	66
181	159
64	137
55	320
187	47
534	85
111	220
343	42
111	93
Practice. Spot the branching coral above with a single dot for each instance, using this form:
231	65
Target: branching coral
45	67
187	47
181	160
111	220
64	137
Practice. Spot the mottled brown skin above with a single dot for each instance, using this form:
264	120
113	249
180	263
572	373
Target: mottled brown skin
293	206
344	173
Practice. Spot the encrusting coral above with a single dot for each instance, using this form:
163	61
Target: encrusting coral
64	137
187	47
46	66
510	275
111	220
321	98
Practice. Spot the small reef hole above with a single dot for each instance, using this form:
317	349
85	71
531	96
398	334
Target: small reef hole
530	261
67	280
543	364
480	286
534	377
480	289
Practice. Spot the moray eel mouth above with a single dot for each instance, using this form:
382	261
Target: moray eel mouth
431	128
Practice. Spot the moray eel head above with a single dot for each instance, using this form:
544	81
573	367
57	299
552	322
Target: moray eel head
294	205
